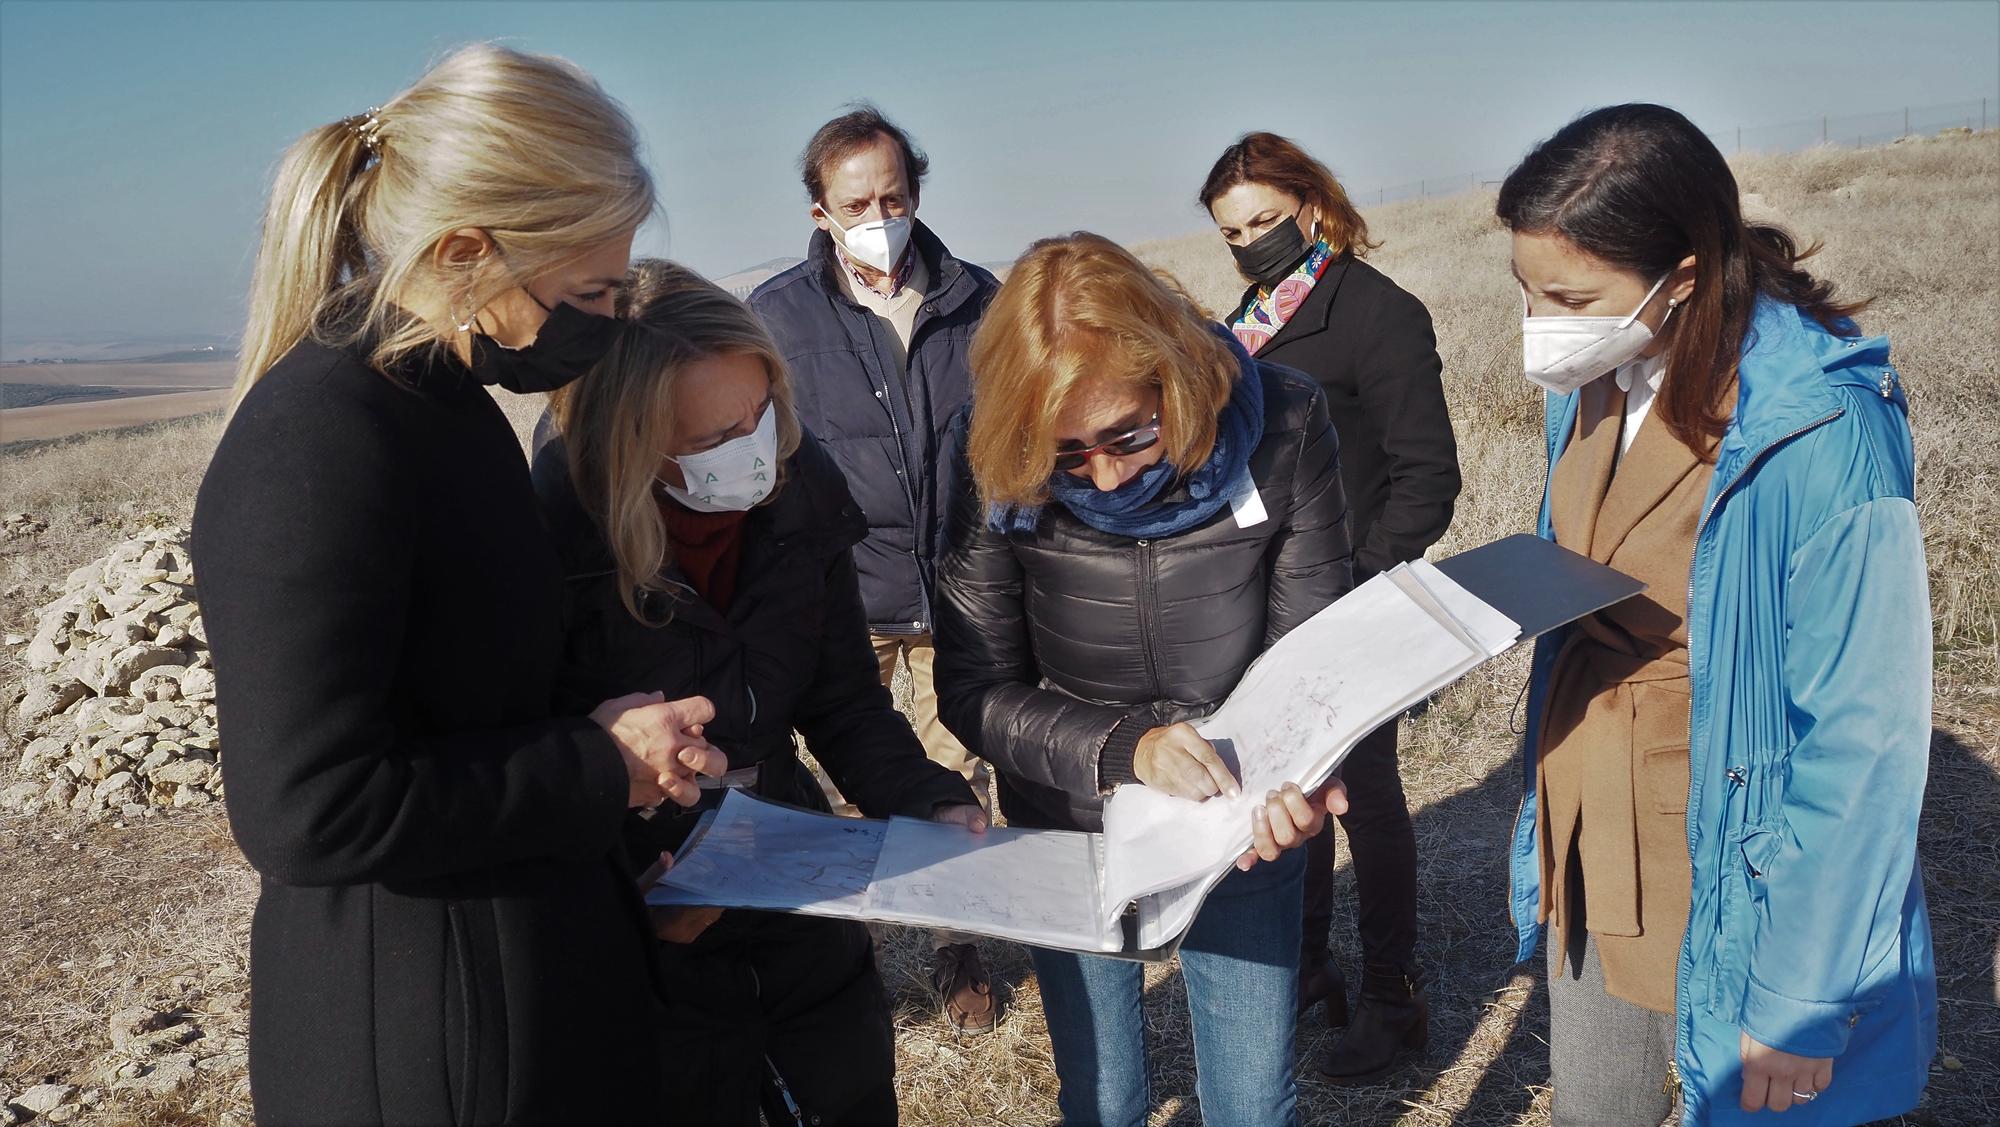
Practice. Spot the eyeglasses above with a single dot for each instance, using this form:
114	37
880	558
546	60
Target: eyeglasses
1131	442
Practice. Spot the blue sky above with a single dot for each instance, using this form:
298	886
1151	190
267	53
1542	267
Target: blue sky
136	139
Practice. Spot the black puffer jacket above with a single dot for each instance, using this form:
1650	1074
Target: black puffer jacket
1058	648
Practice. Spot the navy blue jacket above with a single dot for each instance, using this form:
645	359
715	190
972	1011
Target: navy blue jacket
886	428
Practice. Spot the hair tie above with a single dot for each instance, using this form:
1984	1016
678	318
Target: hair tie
368	128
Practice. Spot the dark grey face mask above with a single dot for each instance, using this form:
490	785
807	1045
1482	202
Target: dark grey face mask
1268	258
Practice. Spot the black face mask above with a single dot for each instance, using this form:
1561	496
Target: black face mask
569	342
1268	258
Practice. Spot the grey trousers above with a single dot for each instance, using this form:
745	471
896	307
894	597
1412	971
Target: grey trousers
1607	1057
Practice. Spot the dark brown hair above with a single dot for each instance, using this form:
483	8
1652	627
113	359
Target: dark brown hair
1641	188
1266	158
854	130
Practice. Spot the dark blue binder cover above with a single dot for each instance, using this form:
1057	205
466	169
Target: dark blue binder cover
1538	584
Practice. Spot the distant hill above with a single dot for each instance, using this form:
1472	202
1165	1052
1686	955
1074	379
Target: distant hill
750	277
145	350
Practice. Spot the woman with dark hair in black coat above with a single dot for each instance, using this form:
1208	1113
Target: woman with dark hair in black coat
1313	304
709	546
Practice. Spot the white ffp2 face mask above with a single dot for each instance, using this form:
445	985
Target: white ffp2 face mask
879	243
732	477
1562	354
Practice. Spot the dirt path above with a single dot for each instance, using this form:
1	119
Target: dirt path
59	420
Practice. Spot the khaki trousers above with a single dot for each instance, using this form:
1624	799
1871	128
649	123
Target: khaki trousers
919	657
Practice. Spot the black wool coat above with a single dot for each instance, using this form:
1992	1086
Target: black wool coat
791	655
884	426
1369	343
446	930
1058	648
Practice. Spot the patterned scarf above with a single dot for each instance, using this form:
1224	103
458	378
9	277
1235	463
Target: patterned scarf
1270	309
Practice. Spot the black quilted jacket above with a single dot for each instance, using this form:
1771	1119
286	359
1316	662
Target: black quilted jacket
1058	648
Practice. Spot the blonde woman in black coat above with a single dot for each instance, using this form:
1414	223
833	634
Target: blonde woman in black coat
446	931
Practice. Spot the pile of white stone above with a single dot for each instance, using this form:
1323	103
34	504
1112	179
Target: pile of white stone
118	713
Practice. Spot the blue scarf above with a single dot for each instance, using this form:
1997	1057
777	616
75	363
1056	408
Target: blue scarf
1134	508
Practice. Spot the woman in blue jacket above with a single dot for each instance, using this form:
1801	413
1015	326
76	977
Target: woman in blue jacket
1725	772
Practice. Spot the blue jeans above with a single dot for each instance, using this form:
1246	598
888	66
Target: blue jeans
1240	964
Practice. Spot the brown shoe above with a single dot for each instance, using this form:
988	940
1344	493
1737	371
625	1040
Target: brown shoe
962	985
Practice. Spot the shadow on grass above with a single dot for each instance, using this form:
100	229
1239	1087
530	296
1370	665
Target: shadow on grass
1491	1068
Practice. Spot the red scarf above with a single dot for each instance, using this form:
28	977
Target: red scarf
708	547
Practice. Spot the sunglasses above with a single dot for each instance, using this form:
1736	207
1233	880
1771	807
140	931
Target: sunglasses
1131	442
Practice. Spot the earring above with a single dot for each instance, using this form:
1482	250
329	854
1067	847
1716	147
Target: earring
463	326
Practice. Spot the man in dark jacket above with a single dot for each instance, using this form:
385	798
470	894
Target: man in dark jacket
876	325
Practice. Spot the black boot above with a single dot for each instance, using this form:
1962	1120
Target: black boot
1320	980
1392	1016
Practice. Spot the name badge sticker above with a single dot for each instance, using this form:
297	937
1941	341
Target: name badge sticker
1248	504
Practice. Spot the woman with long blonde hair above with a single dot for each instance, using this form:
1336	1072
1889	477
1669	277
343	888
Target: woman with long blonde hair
446	932
709	544
1142	510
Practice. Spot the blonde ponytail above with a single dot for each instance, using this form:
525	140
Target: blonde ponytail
308	249
525	147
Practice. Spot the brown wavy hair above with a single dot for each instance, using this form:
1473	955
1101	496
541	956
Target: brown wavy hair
1640	187
617	420
1278	162
1075	308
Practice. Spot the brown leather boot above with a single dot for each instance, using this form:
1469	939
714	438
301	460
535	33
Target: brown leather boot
964	989
1392	1018
1320	980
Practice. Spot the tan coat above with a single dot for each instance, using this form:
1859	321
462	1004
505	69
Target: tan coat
1614	758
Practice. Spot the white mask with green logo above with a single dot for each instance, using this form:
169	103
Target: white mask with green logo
734	476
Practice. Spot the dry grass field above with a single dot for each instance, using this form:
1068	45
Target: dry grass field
95	919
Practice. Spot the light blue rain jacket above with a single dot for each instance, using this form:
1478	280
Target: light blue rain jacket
1809	653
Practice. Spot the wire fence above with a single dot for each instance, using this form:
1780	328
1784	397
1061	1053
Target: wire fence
1856	131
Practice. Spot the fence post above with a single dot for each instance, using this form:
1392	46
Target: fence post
1379	193
1982	115
1822	129
1739	138
1906	121
1424	188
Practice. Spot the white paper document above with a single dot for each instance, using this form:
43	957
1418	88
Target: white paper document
1296	713
1033	886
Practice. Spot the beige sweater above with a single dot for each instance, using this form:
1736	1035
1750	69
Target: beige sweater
899	312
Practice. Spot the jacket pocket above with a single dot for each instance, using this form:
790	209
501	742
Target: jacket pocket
1663	778
1748	843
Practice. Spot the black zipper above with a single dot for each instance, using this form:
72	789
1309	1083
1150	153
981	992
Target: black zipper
1148	622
